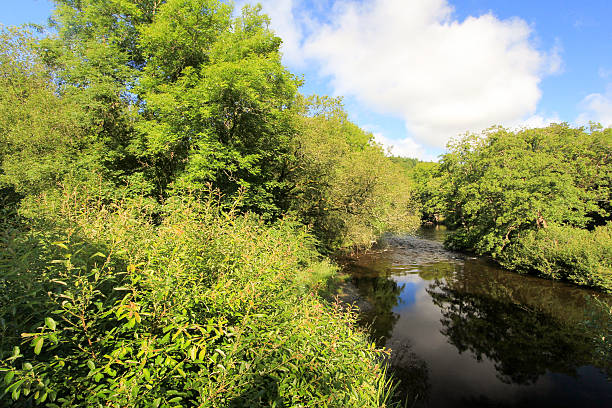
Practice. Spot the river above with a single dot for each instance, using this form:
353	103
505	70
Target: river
465	333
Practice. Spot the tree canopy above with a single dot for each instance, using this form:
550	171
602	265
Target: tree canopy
504	193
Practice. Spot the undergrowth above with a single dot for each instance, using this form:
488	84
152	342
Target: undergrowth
101	306
560	252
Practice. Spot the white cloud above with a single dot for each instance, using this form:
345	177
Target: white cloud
604	72
596	107
535	121
415	60
406	147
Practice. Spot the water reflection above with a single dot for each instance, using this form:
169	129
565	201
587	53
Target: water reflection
383	295
465	333
522	343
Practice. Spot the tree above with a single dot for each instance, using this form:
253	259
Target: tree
502	183
344	186
506	194
42	140
219	111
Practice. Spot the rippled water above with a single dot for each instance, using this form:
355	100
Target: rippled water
464	332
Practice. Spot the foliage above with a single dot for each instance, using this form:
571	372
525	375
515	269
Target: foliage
407	163
579	256
220	112
124	280
499	189
207	309
136	117
344	186
94	60
427	181
41	139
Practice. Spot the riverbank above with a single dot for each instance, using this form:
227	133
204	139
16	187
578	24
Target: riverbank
202	308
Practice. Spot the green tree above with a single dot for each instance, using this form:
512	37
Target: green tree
42	140
343	185
427	181
500	187
219	110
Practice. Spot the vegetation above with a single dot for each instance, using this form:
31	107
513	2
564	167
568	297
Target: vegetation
344	186
165	196
100	307
536	200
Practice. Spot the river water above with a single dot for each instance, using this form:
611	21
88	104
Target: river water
465	333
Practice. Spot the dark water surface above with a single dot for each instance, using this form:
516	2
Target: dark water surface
465	333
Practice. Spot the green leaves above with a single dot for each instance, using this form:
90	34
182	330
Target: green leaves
162	121
500	187
38	343
344	186
50	323
217	113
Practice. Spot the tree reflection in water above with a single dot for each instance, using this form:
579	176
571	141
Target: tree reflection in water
382	295
522	343
524	327
524	340
410	372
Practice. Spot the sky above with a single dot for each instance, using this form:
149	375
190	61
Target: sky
417	73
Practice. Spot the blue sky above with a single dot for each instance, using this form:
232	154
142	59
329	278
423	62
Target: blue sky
419	72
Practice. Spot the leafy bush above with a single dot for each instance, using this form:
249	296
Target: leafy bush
529	198
103	308
579	256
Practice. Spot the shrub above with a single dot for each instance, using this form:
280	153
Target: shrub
100	307
579	256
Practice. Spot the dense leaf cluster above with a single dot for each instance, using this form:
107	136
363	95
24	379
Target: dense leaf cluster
536	200
100	307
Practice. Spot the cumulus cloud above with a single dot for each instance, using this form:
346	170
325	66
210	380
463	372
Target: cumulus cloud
597	107
415	60
535	121
406	147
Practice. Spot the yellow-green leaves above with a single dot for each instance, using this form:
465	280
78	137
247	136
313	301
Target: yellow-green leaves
344	186
8	377
37	343
50	323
